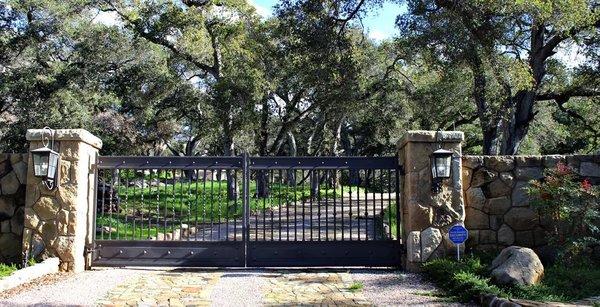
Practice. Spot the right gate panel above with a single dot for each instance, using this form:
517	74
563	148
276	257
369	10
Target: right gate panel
325	211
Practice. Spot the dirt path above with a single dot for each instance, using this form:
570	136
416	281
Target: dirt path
172	287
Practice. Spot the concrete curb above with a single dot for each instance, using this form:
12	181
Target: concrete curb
28	274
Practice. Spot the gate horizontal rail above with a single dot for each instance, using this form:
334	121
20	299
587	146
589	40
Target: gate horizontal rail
291	211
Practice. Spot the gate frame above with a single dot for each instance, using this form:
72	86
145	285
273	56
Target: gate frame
245	252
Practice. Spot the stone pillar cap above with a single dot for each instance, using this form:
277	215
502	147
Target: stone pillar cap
81	135
426	136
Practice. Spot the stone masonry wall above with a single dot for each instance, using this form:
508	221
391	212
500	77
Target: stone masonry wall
498	213
13	178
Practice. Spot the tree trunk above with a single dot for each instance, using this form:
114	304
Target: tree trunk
228	150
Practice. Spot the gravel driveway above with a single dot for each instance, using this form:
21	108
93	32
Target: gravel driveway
235	287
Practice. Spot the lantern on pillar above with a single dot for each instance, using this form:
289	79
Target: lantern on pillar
45	161
441	163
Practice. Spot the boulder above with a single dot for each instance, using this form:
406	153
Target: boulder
517	266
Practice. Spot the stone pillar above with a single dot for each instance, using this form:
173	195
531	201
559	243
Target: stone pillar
427	216
59	222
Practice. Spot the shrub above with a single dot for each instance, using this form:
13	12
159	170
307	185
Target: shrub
572	205
464	280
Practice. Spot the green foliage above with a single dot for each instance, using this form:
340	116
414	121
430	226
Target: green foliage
356	287
573	206
468	279
465	280
6	270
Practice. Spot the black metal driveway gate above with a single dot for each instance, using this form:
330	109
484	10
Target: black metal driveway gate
247	211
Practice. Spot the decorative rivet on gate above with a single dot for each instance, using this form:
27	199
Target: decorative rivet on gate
168	252
147	162
191	252
99	257
275	162
322	162
169	162
145	252
120	251
346	162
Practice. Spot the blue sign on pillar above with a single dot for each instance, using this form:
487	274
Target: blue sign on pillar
458	234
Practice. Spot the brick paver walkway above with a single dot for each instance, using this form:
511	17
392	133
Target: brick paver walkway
164	289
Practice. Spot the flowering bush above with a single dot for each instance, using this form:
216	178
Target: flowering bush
573	207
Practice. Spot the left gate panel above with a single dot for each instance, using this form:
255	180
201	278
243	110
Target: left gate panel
163	211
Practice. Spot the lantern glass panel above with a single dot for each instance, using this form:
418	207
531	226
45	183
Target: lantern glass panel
52	165
40	164
442	165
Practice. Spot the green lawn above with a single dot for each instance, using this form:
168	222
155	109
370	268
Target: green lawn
6	270
143	210
468	279
390	216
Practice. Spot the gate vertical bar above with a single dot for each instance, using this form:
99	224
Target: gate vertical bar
246	203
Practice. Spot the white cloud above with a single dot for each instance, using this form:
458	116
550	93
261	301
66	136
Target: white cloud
261	10
378	35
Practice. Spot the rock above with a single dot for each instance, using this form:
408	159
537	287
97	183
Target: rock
482	176
524	238
528	173
497	206
487	237
476	219
505	235
16	223
10	183
508	179
517	266
64	248
5	226
519	194
20	169
551	161
7	208
106	229
499	163
46	207
497	188
430	240
475	198
31	219
472	162
589	169
413	246
528	160
520	218
11	246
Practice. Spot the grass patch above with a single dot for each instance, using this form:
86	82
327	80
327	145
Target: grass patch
145	212
469	279
390	217
355	287
6	270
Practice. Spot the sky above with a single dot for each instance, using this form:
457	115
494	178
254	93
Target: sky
379	23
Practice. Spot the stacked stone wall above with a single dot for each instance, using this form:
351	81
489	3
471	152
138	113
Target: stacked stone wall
13	179
498	210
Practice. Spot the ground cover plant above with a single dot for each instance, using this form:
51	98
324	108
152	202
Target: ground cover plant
6	269
468	279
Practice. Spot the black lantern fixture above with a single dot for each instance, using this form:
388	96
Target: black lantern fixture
441	162
45	161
